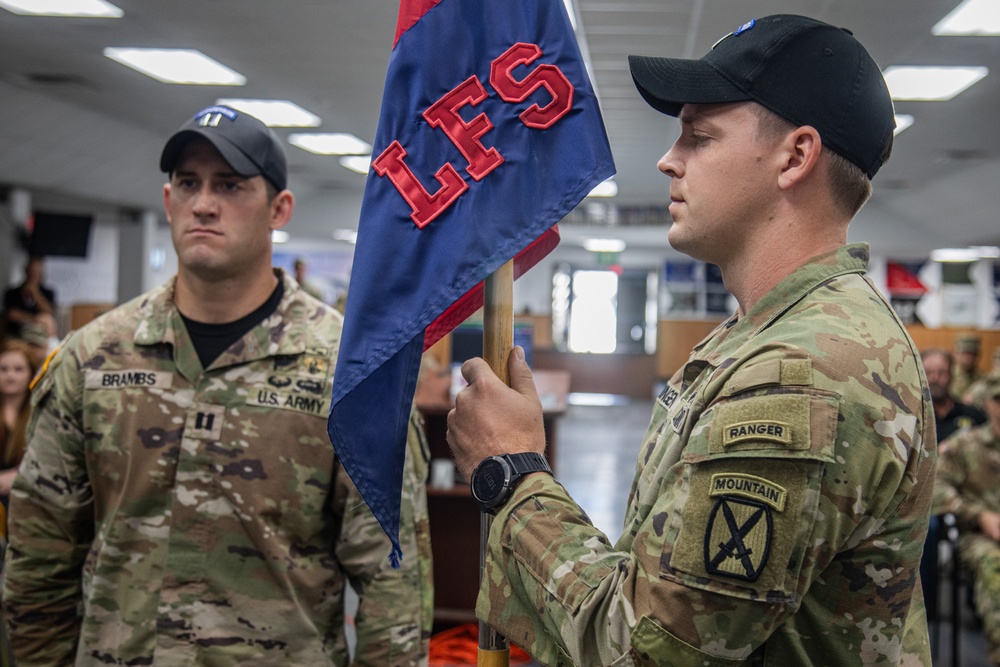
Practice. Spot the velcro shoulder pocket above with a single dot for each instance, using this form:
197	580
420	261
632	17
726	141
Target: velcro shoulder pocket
752	483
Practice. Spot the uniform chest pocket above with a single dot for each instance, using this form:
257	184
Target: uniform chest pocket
751	487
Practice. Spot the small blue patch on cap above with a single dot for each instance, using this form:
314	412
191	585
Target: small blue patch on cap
746	26
225	111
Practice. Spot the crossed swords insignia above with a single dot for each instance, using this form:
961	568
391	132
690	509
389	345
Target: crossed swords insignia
736	548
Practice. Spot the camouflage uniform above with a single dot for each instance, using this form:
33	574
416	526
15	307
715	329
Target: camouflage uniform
962	381
170	515
778	511
965	485
977	392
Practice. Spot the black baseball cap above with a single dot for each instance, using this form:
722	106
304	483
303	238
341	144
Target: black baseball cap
806	71
245	143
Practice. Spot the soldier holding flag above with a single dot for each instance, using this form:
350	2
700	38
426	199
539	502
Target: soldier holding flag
782	492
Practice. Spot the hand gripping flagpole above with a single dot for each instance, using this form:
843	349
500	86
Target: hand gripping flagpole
498	341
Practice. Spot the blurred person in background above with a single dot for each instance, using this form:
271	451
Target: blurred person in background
966	369
950	416
966	486
31	301
975	395
17	367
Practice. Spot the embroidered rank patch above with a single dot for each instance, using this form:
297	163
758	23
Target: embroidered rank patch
761	429
749	486
127	378
204	422
738	538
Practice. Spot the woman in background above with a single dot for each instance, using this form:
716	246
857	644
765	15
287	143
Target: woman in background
16	370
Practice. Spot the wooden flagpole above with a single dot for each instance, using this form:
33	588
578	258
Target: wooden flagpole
498	341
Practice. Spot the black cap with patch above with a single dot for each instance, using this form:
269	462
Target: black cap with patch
245	143
806	71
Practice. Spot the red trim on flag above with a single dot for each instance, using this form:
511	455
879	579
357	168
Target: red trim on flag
473	300
411	11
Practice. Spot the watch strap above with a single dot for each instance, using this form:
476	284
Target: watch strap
528	462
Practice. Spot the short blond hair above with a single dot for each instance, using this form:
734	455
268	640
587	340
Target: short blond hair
850	186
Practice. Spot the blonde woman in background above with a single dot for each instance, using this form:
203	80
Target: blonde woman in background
17	367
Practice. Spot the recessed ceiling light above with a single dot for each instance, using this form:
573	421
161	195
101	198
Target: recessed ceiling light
358	163
274	113
346	235
970	254
606	188
972	17
930	84
66	8
903	121
279	236
604	245
332	143
185	66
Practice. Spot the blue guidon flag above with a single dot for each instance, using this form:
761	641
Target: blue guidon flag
490	133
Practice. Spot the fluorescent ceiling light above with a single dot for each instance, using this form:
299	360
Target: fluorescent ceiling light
332	143
903	121
76	8
930	84
346	235
358	163
606	188
604	245
972	17
970	254
279	236
177	66
273	113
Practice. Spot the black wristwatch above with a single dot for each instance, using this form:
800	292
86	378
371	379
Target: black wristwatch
495	478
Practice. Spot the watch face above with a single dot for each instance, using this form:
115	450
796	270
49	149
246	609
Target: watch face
488	482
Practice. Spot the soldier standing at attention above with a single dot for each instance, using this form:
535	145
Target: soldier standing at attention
180	503
782	492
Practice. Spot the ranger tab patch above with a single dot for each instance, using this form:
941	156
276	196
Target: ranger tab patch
738	538
761	429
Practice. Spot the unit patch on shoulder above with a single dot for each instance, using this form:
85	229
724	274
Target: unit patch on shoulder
749	486
738	538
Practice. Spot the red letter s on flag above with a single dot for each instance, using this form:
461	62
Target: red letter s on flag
512	90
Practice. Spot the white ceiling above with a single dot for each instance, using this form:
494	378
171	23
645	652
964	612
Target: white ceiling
77	123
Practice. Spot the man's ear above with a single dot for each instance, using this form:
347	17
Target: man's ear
166	200
281	209
801	149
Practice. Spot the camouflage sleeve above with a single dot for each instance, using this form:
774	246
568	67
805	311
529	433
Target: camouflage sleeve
394	616
704	577
949	478
51	523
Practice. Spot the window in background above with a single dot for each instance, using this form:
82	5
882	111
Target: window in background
604	311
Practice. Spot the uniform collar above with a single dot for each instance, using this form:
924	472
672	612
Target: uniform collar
851	258
284	332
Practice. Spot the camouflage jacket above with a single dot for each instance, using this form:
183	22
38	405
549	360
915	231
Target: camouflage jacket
962	381
778	511
172	515
967	474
